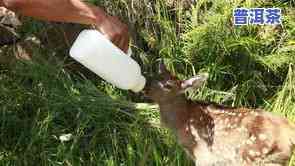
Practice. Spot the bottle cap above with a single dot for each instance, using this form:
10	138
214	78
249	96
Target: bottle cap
140	85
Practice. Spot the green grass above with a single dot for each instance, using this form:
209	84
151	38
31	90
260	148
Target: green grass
41	102
251	66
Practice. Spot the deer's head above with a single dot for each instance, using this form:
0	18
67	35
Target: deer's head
168	86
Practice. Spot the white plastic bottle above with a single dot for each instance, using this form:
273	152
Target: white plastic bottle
93	50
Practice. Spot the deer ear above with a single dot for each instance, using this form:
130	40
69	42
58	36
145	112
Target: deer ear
194	82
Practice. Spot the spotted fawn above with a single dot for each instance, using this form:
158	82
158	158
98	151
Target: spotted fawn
216	135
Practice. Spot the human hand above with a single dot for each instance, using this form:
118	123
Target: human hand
115	31
75	11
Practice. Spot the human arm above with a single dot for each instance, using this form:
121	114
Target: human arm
74	11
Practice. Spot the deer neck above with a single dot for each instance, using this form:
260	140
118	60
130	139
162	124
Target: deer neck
173	112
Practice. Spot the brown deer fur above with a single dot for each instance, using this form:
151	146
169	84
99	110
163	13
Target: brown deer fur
215	135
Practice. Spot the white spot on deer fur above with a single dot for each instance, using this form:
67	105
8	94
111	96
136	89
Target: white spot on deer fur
186	128
254	113
212	122
193	130
245	129
248	159
216	133
240	129
194	133
232	113
264	150
262	137
253	138
206	135
257	153
249	142
234	126
230	126
226	120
